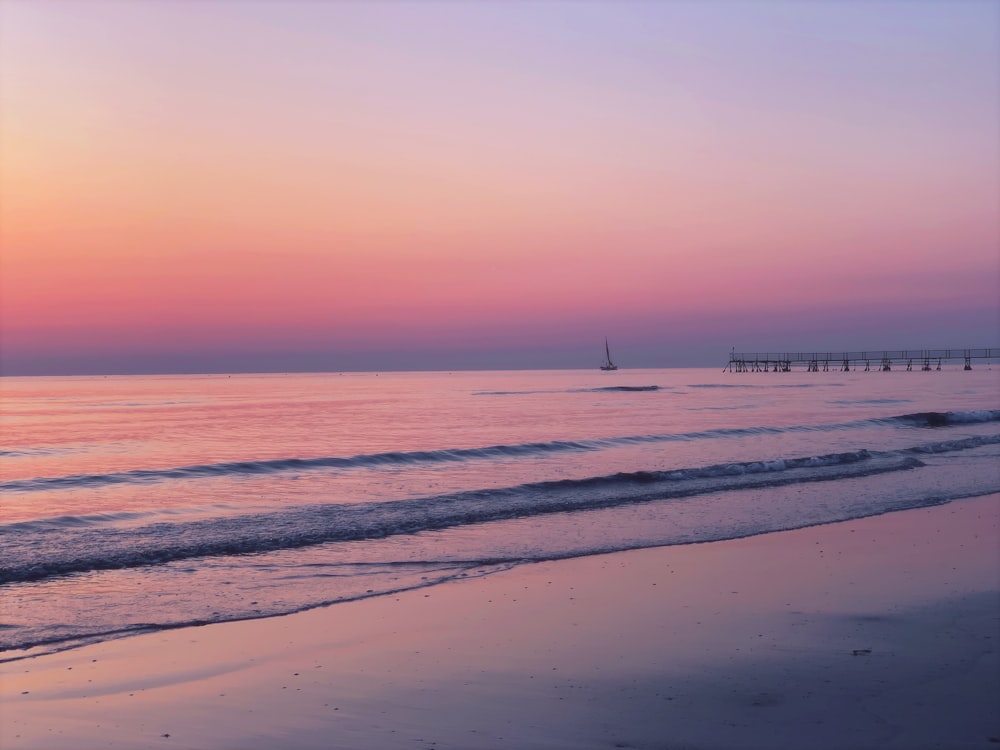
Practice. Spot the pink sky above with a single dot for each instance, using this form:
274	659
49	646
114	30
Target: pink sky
338	185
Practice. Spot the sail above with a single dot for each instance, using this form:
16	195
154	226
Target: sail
608	364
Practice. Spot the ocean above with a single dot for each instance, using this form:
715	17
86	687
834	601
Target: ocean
139	503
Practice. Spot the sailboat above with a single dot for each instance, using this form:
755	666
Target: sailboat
608	364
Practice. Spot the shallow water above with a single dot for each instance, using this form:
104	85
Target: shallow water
137	503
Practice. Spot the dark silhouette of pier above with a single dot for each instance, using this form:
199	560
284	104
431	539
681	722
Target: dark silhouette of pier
885	360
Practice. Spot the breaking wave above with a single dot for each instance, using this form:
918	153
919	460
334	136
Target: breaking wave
43	549
455	455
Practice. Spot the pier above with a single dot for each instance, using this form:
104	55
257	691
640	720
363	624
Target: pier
884	361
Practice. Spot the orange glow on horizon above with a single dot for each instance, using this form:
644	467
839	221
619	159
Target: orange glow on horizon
360	175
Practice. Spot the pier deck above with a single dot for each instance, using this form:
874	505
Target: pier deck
884	360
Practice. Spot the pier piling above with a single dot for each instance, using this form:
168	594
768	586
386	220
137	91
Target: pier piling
783	362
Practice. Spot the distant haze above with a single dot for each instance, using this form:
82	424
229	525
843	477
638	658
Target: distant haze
279	186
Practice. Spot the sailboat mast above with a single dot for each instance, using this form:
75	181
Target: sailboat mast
608	364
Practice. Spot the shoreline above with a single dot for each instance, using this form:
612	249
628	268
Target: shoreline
876	632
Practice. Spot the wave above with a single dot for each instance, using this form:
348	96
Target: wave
766	385
424	574
271	466
104	519
31	554
22	452
599	389
456	455
949	418
625	388
870	401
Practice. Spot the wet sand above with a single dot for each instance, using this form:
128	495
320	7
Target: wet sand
877	633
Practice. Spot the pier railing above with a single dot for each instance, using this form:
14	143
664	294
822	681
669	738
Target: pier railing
884	360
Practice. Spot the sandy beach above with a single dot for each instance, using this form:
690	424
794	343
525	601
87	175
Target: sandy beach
876	633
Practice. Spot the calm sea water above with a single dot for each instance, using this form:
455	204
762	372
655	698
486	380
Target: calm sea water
130	504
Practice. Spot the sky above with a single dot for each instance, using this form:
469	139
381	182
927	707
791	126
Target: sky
254	185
